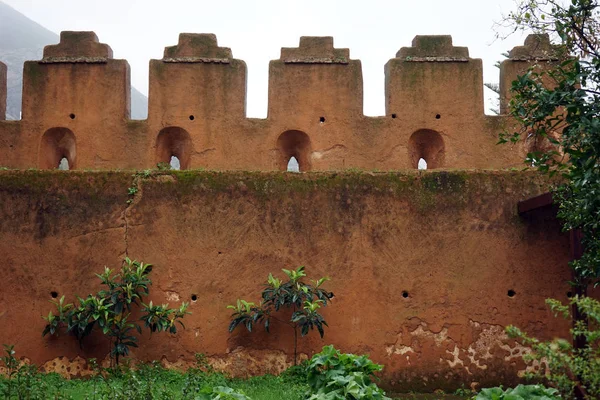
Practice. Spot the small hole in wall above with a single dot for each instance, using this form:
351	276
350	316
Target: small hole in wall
322	120
405	294
438	116
194	297
394	115
72	116
511	293
192	117
569	294
220	252
54	294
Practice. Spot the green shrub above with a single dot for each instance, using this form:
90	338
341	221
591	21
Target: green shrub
303	298
569	368
110	310
335	376
521	392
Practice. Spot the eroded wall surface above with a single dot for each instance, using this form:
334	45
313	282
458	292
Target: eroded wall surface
427	268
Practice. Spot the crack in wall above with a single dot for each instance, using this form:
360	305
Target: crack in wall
135	196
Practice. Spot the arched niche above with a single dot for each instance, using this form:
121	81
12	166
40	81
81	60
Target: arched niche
428	145
295	144
56	144
174	142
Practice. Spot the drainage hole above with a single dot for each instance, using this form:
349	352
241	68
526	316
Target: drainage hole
72	116
405	294
322	119
192	117
511	293
54	294
194	297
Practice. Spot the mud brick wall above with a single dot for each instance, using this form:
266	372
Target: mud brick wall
427	267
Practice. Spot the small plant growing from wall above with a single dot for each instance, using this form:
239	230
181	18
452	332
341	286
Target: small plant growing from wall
110	310
304	299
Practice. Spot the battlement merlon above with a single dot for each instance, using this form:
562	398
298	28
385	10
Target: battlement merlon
210	84
317	81
3	80
74	47
537	51
315	50
537	47
197	47
433	48
434	78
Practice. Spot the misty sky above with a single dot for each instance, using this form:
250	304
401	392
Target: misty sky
374	30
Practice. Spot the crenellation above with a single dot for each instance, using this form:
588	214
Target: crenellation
537	51
536	47
315	50
433	48
77	47
76	103
197	47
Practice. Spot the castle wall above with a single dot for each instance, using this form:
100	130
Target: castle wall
451	242
76	106
422	264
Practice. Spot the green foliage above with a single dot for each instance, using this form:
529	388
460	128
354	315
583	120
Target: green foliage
163	166
558	108
110	310
521	392
569	367
220	392
335	376
146	381
305	300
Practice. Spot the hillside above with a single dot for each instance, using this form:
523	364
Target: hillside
22	39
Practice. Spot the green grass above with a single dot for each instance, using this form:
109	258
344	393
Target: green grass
154	382
146	383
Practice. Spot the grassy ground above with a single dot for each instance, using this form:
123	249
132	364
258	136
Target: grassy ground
157	383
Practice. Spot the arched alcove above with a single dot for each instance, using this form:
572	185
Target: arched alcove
294	144
58	144
174	142
428	145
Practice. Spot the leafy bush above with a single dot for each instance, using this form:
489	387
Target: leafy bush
110	310
521	392
335	376
303	298
569	368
